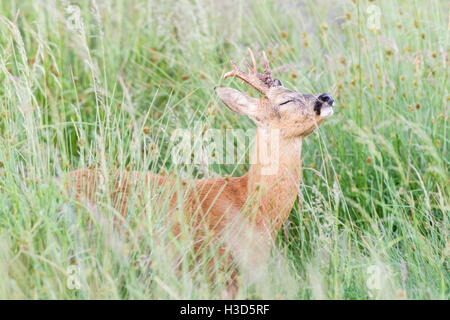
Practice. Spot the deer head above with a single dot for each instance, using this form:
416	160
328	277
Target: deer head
294	114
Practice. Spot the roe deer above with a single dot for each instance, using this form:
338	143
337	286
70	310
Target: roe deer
267	192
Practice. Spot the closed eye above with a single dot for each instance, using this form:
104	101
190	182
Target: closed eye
285	102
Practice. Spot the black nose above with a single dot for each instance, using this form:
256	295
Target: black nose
325	97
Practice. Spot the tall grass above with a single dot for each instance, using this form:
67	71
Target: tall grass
106	91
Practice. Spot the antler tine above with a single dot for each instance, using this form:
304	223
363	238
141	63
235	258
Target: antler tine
252	59
232	72
253	78
249	69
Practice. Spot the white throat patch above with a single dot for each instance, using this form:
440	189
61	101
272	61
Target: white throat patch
326	111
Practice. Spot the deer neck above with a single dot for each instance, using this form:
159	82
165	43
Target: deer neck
273	178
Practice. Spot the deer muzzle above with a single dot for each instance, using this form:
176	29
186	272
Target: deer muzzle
324	105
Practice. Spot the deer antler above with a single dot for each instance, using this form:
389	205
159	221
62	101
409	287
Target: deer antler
261	82
267	76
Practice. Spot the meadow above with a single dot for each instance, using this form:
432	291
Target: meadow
103	84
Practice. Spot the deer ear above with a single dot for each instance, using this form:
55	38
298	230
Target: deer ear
237	101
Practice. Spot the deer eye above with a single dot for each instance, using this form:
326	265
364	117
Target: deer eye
286	102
